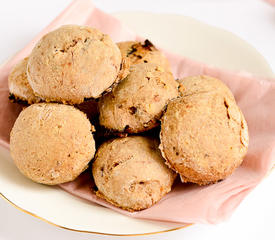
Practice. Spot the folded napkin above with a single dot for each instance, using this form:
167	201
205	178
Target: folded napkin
187	203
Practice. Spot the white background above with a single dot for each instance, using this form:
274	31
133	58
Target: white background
252	20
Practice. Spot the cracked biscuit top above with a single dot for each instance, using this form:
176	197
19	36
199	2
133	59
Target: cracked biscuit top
73	63
136	103
204	135
138	52
130	172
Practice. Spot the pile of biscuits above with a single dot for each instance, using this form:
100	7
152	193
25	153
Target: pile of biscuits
117	111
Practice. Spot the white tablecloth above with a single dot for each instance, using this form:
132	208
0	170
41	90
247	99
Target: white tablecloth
252	20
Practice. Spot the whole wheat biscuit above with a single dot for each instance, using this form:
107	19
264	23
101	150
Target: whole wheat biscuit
204	135
73	63
136	103
19	86
52	143
130	173
200	84
138	52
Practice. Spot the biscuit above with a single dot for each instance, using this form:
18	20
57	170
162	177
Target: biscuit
138	52
73	63
130	173
136	103
204	136
19	86
200	84
52	143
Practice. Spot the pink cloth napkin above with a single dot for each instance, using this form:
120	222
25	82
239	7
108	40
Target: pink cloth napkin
187	203
272	2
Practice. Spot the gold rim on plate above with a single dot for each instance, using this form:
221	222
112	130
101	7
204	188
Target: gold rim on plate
84	231
100	233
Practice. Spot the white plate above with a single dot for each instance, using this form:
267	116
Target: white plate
176	33
194	39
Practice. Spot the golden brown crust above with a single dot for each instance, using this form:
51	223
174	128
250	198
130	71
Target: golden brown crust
136	104
130	173
124	69
19	86
138	52
204	135
52	143
73	63
201	84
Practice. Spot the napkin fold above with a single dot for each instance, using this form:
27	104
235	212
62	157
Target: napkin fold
186	203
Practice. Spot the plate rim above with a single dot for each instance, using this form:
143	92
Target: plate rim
195	20
85	231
